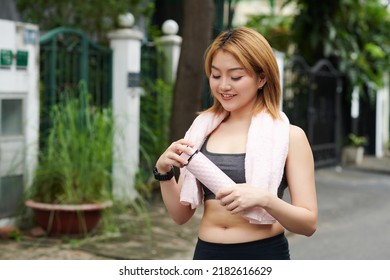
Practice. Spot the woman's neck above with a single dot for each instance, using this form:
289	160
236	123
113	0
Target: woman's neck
243	120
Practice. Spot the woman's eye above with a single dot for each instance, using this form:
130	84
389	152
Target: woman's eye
215	76
236	78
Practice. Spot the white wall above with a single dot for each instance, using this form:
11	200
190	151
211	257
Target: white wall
18	152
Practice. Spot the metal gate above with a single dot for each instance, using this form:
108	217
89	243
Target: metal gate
311	100
68	56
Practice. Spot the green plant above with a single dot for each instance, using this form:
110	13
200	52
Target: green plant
154	129
276	28
352	34
75	162
357	141
94	17
16	235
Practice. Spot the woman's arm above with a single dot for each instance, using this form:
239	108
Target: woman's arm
301	215
170	190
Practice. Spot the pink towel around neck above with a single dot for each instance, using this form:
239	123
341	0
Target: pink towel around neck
266	152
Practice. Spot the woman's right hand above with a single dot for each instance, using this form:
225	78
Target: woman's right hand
171	156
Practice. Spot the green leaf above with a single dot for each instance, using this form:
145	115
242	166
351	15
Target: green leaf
375	50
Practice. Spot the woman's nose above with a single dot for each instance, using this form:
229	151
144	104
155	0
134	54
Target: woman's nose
225	85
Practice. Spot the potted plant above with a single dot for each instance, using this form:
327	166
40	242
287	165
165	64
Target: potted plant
353	152
71	185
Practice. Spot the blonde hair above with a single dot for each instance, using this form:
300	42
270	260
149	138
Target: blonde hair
255	54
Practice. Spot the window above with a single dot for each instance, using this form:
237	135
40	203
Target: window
11	117
11	191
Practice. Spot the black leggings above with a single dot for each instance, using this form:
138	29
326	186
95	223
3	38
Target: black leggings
272	248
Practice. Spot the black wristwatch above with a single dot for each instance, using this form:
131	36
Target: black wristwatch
163	177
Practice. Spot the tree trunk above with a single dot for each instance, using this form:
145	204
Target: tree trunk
197	29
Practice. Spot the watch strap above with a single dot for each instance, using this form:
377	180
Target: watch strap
163	177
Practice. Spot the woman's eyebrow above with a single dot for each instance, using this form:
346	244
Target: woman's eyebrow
229	70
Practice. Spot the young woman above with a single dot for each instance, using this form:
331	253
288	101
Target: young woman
248	138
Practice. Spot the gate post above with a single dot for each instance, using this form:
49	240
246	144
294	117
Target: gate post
126	46
170	46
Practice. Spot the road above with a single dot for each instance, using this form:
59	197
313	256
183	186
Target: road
354	218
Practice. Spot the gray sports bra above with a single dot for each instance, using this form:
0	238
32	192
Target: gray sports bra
234	166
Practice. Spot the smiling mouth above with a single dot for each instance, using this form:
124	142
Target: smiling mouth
227	95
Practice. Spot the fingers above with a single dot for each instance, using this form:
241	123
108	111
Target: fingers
181	146
225	197
178	148
232	206
233	199
183	142
171	156
223	192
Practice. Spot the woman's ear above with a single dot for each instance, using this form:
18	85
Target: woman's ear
262	81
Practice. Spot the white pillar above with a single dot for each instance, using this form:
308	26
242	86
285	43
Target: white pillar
170	46
379	124
382	118
28	36
386	110
355	110
126	46
280	60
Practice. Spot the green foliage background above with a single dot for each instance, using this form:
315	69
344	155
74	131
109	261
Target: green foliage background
93	17
352	34
154	129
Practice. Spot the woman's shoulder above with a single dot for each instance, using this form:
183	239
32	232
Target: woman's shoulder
297	134
299	152
298	143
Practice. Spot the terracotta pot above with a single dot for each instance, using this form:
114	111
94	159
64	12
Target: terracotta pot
58	219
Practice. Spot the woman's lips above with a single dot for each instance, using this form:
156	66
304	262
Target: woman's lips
227	96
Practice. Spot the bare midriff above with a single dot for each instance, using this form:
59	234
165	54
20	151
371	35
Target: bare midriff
220	226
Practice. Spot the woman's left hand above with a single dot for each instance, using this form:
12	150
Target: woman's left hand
241	197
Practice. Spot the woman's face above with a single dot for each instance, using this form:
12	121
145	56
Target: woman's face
232	85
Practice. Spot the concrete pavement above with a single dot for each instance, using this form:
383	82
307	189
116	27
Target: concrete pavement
354	220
